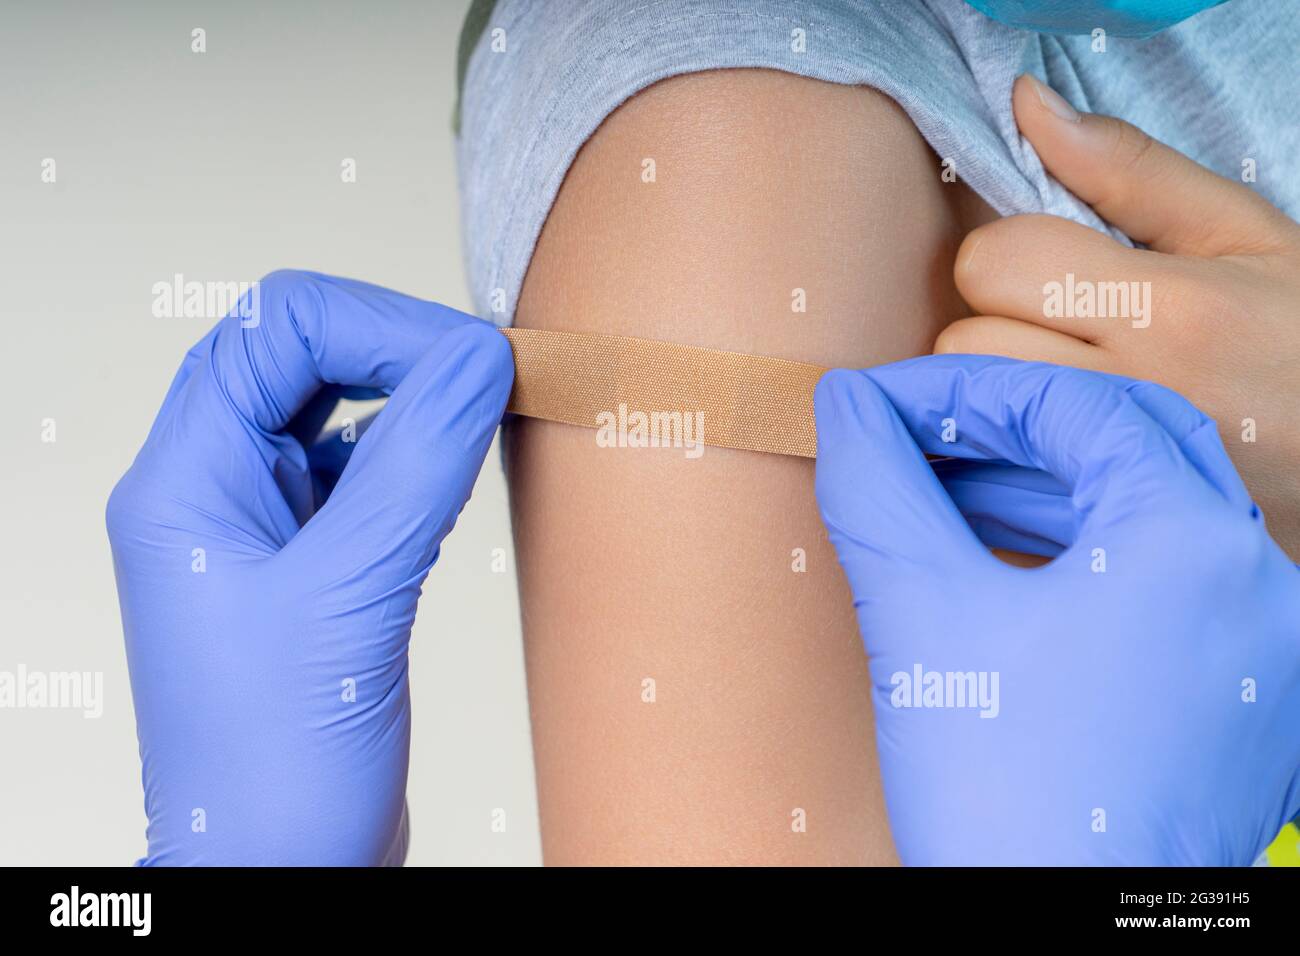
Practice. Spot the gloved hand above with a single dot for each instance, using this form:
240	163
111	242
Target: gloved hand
266	629
1133	702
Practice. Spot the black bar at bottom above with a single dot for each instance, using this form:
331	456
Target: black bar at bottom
424	906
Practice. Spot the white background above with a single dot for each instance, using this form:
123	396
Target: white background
221	166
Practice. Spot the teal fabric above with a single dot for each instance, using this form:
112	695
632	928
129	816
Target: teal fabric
1127	18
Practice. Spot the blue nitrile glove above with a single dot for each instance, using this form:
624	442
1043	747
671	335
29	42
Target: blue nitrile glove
266	629
1133	702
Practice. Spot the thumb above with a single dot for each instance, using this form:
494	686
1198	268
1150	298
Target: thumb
412	470
1153	193
885	510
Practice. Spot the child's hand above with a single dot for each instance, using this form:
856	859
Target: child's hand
1211	310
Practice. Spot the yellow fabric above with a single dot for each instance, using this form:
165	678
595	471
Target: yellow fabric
1285	850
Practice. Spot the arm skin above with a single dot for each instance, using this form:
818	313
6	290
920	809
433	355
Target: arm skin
640	563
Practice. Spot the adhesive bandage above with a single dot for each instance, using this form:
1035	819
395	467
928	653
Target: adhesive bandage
751	402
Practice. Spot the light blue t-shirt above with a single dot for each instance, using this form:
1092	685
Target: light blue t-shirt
1222	87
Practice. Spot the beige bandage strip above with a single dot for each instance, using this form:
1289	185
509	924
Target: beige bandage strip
748	401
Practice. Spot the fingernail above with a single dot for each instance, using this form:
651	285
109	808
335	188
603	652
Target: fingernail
1054	101
968	258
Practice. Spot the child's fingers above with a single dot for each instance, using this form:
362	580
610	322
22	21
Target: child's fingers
1154	193
1061	275
997	335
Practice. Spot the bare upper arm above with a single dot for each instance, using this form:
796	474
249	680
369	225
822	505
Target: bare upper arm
643	565
764	183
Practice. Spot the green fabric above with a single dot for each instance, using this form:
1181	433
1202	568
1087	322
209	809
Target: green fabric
476	21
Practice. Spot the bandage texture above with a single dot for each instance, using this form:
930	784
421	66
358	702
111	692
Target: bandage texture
752	402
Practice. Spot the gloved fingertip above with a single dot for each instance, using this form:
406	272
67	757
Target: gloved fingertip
840	405
477	351
472	381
